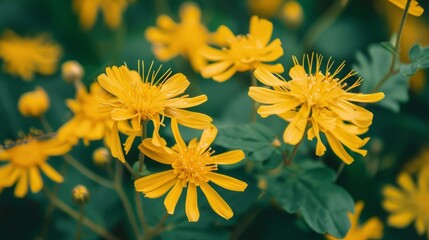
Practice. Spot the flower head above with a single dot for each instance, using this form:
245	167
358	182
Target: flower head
139	99
193	166
414	8
22	162
370	230
409	202
317	101
170	39
111	9
264	8
80	194
87	123
101	156
24	56
243	52
34	103
72	71
292	13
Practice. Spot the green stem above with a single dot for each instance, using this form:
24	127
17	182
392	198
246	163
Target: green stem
395	54
140	213
46	124
79	221
86	172
157	229
324	22
124	200
72	213
244	222
294	151
131	170
255	104
340	170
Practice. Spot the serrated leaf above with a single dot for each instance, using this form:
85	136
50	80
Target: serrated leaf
373	69
325	210
308	187
254	139
419	59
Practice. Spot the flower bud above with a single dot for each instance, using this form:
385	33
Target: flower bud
292	13
80	194
101	156
72	71
34	103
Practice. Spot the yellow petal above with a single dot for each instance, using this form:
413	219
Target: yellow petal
406	182
189	119
278	108
207	138
191	206
224	36
55	147
260	29
296	129
230	157
156	153
177	136
21	188
51	173
338	148
175	85
420	225
214	69
212	54
115	143
364	98
3	155
216	202
268	96
267	78
36	182
161	190
153	181
156	138
227	182
297	72
373	228
173	196
423	180
121	114
185	102
222	77
9	175
414	8
400	219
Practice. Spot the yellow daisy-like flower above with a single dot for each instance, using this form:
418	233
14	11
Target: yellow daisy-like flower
319	101
370	230
243	52
24	160
414	8
192	166
25	56
409	202
139	98
87	123
170	39
111	9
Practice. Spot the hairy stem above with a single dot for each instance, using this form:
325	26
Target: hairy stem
255	104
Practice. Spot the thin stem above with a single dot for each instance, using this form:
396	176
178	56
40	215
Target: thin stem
392	70
294	151
124	200
46	124
142	156
157	229
72	213
79	221
140	213
131	170
254	83
88	173
244	222
324	22
340	170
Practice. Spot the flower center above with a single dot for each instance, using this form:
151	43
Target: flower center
27	154
148	100
192	166
422	207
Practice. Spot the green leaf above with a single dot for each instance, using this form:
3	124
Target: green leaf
419	59
373	69
308	188
254	138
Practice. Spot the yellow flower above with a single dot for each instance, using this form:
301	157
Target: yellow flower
87	123
24	56
292	13
24	160
192	166
414	9
170	39
372	229
264	8
243	53
34	103
101	156
139	99
72	71
80	194
88	10
317	101
409	202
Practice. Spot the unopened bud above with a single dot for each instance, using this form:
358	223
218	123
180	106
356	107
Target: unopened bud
101	156
34	103
80	194
72	71
292	13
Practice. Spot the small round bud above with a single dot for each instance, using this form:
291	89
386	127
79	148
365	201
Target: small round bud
276	143
80	194
101	156
72	71
34	103
292	13
262	184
